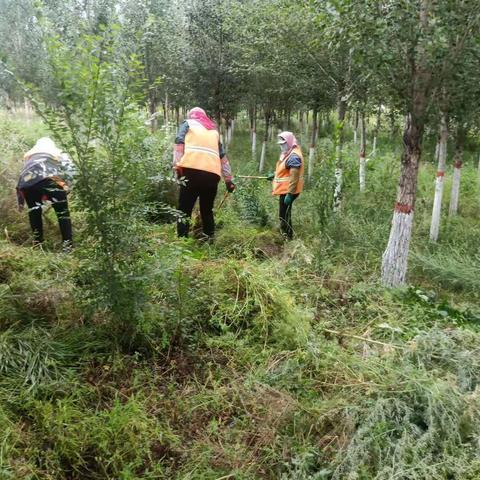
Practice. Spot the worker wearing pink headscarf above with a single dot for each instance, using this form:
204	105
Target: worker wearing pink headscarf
288	180
199	159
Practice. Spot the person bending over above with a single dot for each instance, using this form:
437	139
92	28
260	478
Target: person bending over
200	161
43	178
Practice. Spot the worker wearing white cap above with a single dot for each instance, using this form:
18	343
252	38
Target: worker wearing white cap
43	178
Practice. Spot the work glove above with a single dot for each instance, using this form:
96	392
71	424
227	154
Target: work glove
230	186
288	200
270	177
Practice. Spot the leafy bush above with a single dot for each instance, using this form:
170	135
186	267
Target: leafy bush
98	121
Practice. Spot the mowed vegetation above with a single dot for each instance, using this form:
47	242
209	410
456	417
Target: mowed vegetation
145	356
249	358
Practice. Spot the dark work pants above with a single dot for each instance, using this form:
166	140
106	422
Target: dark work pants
285	214
48	190
202	185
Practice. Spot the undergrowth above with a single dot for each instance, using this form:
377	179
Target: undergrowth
253	359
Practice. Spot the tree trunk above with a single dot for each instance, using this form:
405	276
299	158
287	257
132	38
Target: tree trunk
228	125
253	123
264	143
337	195
377	129
363	148
437	150
165	110
177	116
440	180
395	257
152	110
457	169
355	128
311	151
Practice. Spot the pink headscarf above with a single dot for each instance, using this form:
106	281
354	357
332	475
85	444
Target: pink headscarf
291	140
200	116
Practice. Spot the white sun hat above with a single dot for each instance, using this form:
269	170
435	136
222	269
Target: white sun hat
44	145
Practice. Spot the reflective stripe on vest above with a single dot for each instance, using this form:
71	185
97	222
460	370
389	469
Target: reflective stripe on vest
281	182
201	149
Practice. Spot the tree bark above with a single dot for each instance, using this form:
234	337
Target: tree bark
177	116
152	109
355	128
253	123
395	257
264	143
440	180
337	195
457	170
437	149
377	129
165	110
363	149
311	151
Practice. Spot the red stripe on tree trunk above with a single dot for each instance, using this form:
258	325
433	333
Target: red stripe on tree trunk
403	208
440	174
458	164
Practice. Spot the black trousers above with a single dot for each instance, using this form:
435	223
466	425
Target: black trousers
285	214
48	190
202	185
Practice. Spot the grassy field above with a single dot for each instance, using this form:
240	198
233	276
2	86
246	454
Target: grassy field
253	359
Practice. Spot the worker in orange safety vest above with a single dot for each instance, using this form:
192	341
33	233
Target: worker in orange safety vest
200	161
288	181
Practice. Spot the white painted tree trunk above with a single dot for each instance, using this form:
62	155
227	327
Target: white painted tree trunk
337	194
166	110
455	192
355	128
363	149
395	257
311	150
362	173
377	129
254	143
262	156
311	160
439	181
457	171
437	150
229	134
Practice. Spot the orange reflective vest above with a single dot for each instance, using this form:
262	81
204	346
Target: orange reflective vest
201	149
281	181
